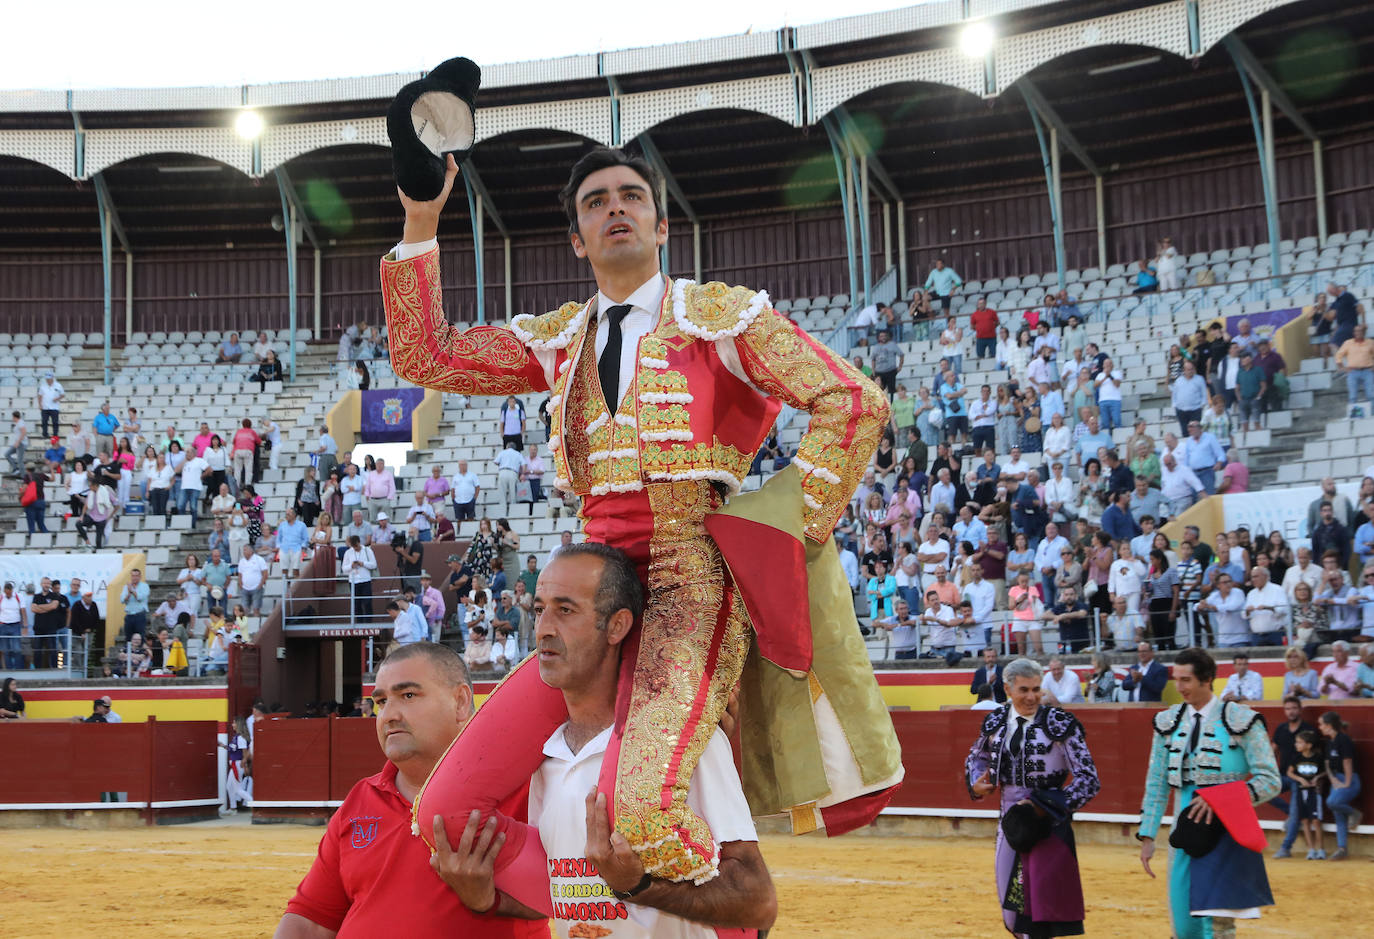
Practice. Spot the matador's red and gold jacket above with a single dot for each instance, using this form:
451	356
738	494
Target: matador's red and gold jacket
710	378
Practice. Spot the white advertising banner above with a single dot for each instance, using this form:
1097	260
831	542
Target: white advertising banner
95	571
1284	509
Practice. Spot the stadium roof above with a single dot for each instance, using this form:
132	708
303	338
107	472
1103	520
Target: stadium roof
738	120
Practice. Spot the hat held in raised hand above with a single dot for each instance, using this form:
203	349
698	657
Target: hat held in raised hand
428	119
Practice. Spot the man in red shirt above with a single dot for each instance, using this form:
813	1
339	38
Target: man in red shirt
372	877
244	448
984	322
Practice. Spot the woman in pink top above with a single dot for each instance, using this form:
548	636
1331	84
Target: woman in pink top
126	460
436	487
202	439
244	450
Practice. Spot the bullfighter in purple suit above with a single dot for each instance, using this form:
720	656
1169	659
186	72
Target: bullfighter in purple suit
1038	756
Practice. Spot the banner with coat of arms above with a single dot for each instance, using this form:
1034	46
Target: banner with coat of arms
386	414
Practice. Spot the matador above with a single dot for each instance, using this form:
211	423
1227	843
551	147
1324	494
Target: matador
660	393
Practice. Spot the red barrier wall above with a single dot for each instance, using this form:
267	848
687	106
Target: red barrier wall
935	743
356	754
52	762
291	760
318	760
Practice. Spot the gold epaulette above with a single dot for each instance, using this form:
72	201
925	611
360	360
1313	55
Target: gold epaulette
552	330
715	311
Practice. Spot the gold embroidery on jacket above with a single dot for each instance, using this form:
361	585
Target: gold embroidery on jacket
686	590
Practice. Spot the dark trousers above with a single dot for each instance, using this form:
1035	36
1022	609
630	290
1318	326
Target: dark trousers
44	649
50	416
517	439
984	437
86	523
135	623
983	348
33	515
1185	417
157	501
888	381
362	601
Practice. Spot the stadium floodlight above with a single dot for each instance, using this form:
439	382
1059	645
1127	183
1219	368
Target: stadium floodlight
248	125
976	40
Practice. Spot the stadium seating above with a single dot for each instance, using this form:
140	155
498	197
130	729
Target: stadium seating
168	376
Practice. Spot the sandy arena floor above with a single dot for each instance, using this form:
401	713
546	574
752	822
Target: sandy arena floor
232	880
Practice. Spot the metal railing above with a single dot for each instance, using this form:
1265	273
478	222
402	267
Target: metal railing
71	654
997	632
334	607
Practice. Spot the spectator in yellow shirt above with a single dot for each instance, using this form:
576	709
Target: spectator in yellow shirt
1355	358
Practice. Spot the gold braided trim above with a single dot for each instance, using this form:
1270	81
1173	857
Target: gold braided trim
715	311
553	330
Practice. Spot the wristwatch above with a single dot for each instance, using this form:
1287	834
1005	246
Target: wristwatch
637	889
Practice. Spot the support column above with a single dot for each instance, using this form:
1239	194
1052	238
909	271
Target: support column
845	175
505	245
696	251
901	249
851	200
663	248
1101	223
1271	198
475	211
1319	185
1057	193
1049	157
128	295
105	273
110	229
480	208
319	292
292	288
1273	95
480	244
864	225
887	235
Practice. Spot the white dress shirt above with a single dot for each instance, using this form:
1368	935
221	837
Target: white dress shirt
983	413
1179	482
1047	554
1267	621
1066	690
1247	687
1056	444
1015	470
1297	574
1061	490
645	303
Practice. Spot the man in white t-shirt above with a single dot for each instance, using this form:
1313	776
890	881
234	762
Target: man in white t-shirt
252	572
1109	395
982	415
578	642
192	484
1166	265
1062	685
1015	470
933	553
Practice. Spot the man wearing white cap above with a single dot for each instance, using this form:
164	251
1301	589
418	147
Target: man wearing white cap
382	531
49	394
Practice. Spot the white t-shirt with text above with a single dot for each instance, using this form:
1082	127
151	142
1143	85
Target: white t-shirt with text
558	792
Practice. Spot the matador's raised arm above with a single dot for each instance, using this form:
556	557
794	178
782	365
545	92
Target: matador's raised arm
429	351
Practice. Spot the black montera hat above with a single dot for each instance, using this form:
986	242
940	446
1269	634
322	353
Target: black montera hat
428	119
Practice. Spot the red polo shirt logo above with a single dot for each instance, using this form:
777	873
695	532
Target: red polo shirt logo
364	830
